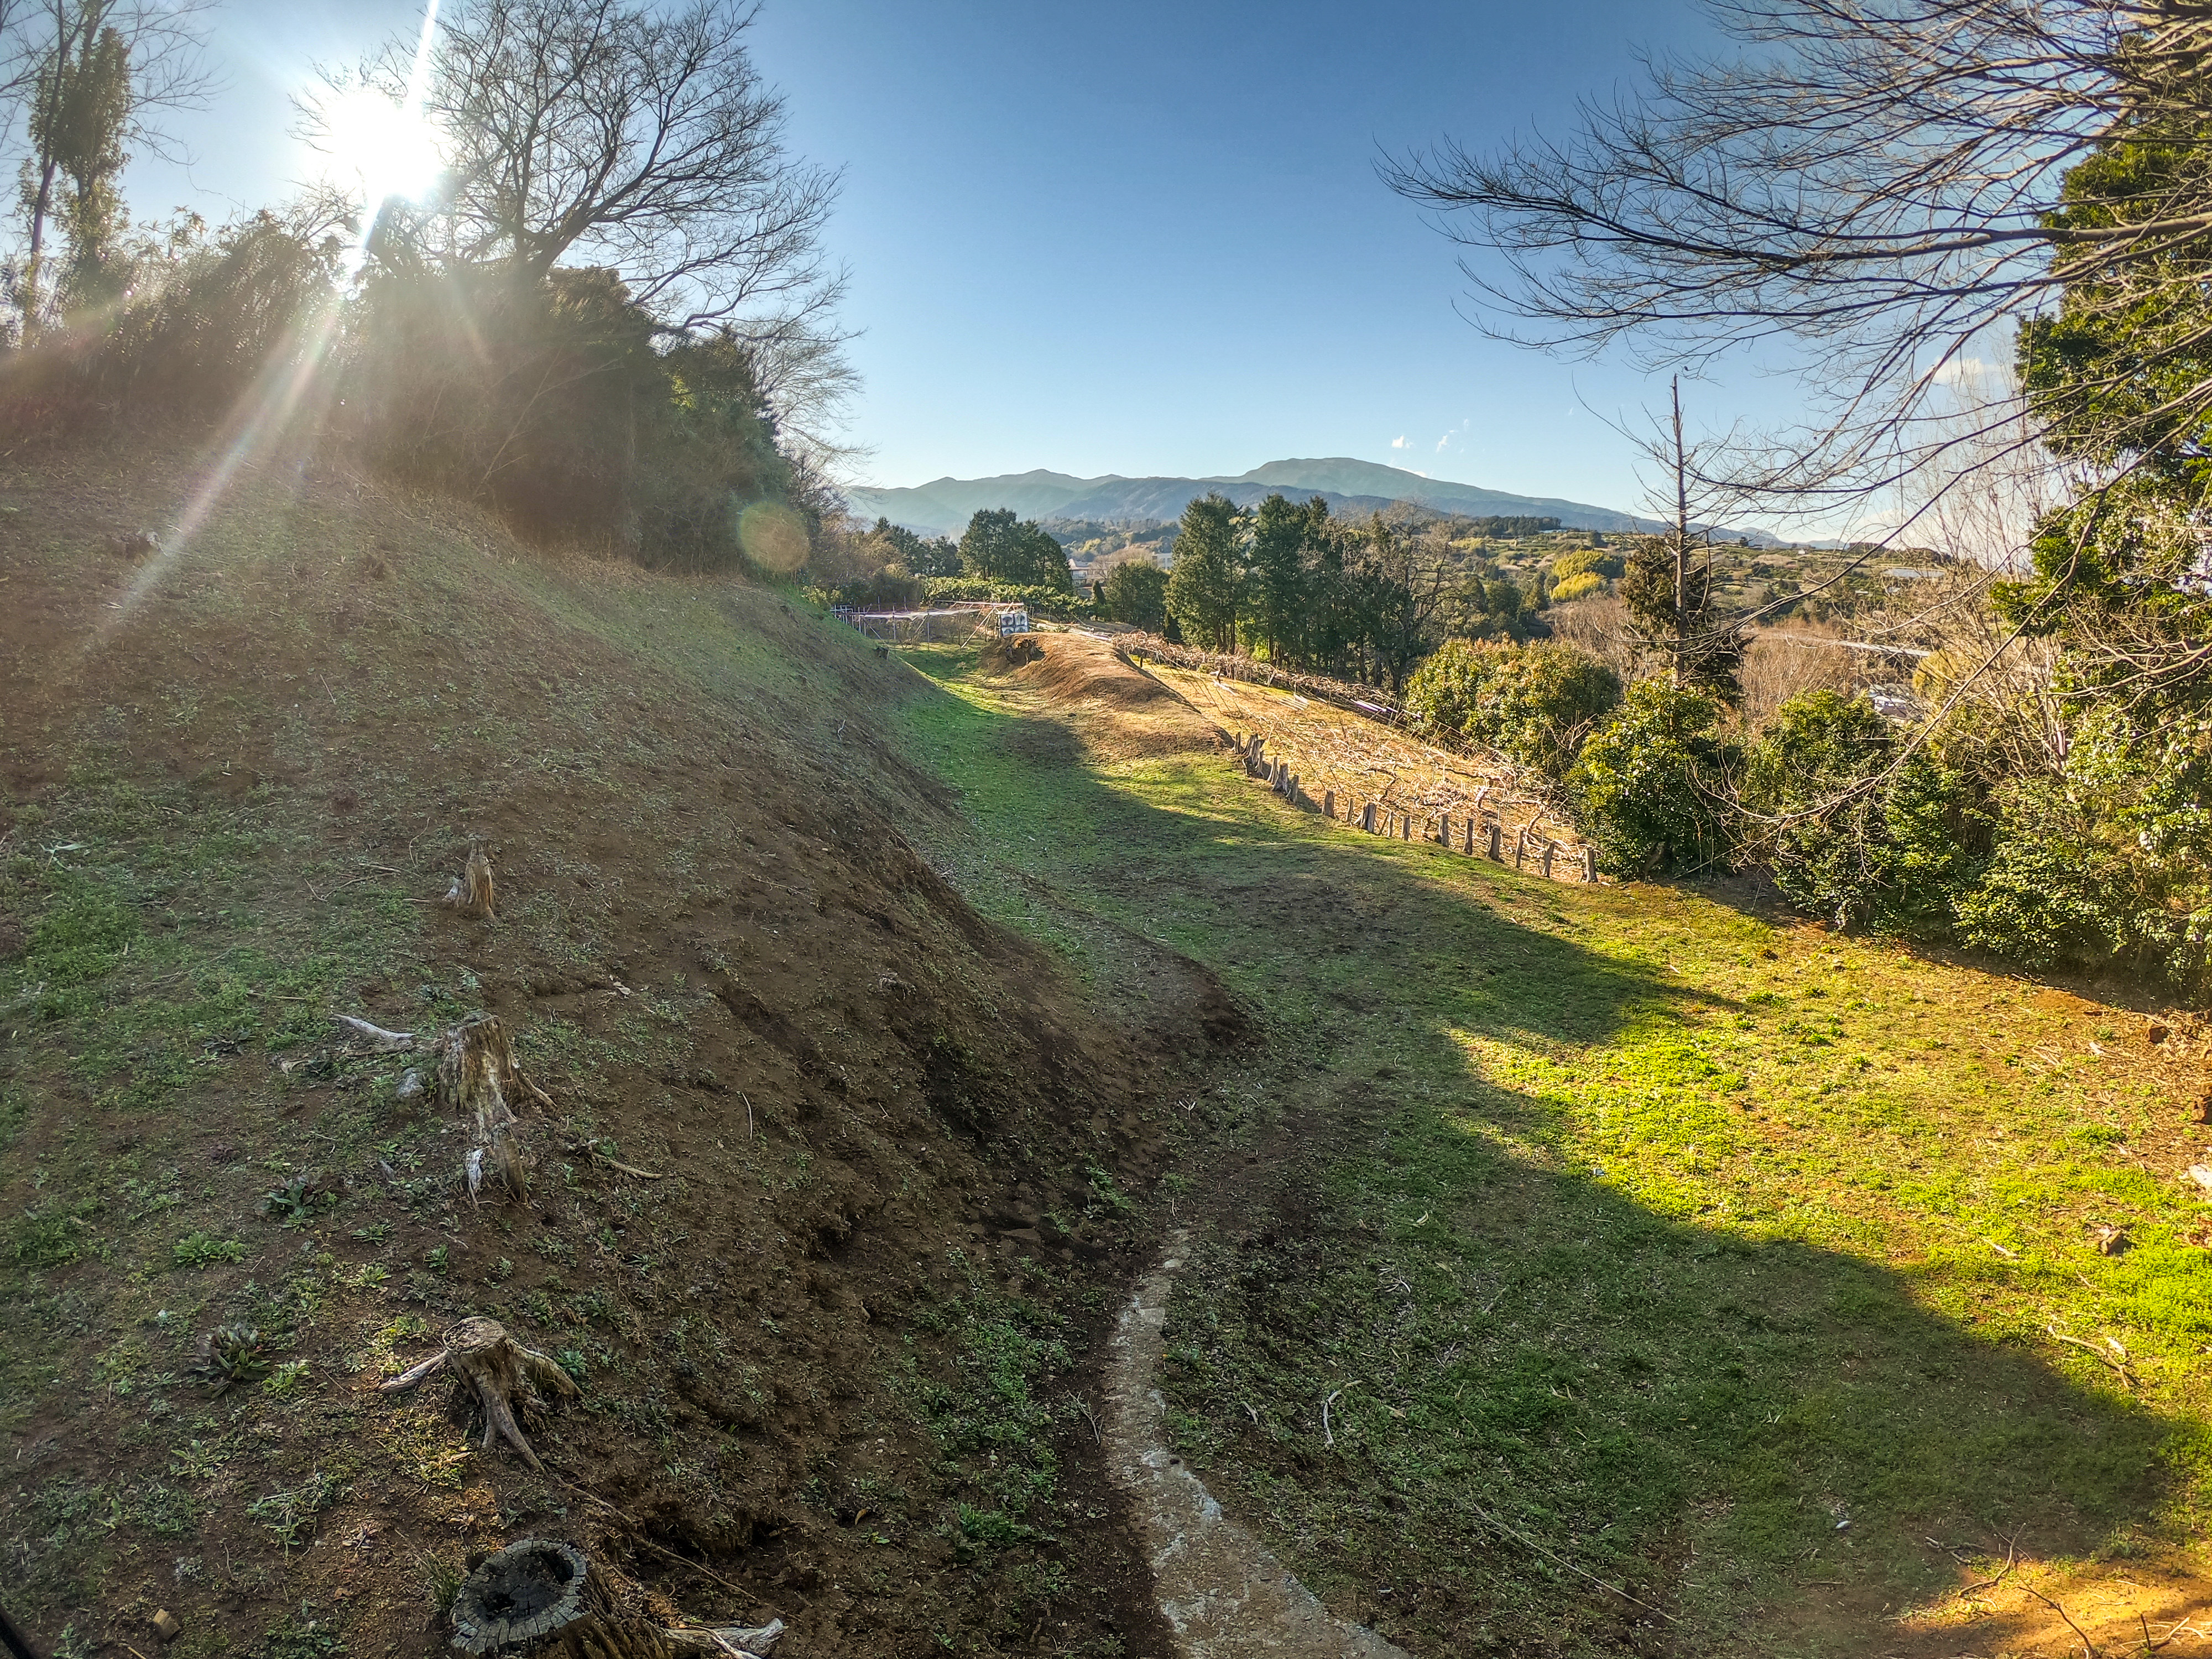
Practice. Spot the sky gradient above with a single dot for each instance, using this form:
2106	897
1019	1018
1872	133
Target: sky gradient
1143	239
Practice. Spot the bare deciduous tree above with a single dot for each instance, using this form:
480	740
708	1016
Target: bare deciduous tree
1872	184
613	133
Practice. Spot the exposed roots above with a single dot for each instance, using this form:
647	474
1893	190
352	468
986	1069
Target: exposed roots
505	1374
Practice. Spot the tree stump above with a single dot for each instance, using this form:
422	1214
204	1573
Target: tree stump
476	1072
504	1374
470	892
1497	842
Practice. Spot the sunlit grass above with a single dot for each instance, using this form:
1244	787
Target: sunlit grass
1713	1255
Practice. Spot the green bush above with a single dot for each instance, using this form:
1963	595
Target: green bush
1653	785
564	405
1055	602
2108	863
1848	831
1532	703
199	316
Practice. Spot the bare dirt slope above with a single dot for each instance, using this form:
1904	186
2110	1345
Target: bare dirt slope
829	1339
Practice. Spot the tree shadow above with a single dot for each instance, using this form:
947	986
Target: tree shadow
1540	1382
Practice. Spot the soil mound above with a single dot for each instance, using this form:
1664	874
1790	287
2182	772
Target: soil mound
1075	669
820	1162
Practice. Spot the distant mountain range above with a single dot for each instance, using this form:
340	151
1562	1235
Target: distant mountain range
944	507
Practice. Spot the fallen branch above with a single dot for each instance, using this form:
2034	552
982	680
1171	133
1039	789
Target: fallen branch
2011	1561
380	1041
2089	1649
2119	1366
591	1148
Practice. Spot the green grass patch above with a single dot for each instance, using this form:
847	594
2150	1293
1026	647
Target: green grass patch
1627	1236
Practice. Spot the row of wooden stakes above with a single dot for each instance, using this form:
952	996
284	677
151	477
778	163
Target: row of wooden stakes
1379	820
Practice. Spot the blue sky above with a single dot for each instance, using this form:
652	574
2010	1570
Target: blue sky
1138	239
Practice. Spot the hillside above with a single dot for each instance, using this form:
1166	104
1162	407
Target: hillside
826	1172
943	505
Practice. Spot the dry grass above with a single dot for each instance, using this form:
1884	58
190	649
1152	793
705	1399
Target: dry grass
1359	760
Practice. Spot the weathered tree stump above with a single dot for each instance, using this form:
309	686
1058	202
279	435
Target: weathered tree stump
1589	864
477	1074
1497	842
505	1374
470	892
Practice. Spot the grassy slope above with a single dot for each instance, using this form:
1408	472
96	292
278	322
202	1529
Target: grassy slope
233	778
1630	1236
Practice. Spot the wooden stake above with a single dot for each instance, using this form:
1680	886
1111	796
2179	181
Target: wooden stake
1497	842
1589	864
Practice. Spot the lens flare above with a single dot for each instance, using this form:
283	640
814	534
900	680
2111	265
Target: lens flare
774	537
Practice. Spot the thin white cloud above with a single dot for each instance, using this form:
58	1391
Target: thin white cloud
1962	371
1400	443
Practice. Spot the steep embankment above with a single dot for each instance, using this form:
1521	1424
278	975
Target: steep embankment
829	1165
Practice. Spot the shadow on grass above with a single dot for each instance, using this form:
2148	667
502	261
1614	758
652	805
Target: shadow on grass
1528	1367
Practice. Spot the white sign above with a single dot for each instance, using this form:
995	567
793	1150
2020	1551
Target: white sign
1013	622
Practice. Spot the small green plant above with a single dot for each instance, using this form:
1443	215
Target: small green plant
302	1636
230	1355
285	1378
438	1259
52	1236
290	1512
199	1250
299	1200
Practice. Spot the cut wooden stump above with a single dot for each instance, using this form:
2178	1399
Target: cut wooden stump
505	1374
543	1598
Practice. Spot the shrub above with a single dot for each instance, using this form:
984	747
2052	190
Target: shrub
197	318
1054	602
1847	830
566	406
1532	703
2109	861
1652	785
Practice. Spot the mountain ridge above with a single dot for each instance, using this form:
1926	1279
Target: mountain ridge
943	505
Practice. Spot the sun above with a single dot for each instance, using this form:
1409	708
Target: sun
393	151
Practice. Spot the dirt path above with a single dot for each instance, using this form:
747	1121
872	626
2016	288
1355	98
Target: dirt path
1222	1590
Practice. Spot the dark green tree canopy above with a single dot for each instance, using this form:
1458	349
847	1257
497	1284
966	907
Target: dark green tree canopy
1003	547
1207	590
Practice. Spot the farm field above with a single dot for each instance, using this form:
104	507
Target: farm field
1609	1269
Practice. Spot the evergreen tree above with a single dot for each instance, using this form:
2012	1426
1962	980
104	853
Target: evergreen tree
80	112
1206	593
1003	547
1275	612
